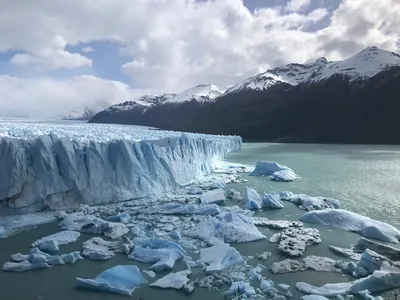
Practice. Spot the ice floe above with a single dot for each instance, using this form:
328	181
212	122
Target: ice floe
228	227
219	257
316	263
278	224
173	280
98	249
119	279
310	203
60	238
37	259
346	220
181	209
293	241
216	196
252	200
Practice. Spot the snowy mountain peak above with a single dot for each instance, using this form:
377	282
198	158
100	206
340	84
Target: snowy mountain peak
200	93
144	101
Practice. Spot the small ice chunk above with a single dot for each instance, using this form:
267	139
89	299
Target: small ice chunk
275	238
114	230
284	175
175	234
187	245
188	288
293	241
266	285
342	219
254	273
252	200
286	195
241	288
150	273
61	238
180	209
173	280
219	257
288	294
327	290
49	246
162	259
279	224
213	197
313	297
314	203
264	256
284	286
229	228
233	195
195	190
119	279
120	218
272	200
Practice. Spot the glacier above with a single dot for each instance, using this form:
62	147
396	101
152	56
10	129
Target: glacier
59	166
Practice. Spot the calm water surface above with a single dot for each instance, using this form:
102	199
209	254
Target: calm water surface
365	178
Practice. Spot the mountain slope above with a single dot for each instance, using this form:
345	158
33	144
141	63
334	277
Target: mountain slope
349	101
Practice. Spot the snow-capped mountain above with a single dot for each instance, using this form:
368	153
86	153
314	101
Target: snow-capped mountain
350	101
143	102
361	66
200	93
83	112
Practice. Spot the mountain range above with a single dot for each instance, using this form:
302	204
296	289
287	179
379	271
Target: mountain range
355	100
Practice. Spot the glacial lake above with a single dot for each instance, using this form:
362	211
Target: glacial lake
365	178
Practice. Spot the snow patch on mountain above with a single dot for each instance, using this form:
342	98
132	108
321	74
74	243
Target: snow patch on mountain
143	102
200	93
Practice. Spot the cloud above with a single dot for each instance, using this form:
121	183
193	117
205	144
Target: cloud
176	44
49	98
87	49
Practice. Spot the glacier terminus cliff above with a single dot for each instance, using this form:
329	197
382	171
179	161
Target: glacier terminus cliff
46	166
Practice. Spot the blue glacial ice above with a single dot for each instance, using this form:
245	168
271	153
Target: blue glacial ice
49	246
60	238
120	218
274	170
119	280
219	257
346	220
161	253
252	199
180	209
228	227
241	288
173	280
98	164
272	200
216	196
37	259
195	190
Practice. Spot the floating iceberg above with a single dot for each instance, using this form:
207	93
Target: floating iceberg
219	257
229	228
386	250
216	196
195	190
92	224
60	238
350	221
37	259
120	218
98	249
49	246
272	200
276	171
314	203
252	200
293	241
180	209
119	279
316	263
278	224
173	280
241	288
99	164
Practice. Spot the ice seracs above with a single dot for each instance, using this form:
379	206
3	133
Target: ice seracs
346	220
119	279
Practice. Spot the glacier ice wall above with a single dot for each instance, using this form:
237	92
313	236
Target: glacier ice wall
54	172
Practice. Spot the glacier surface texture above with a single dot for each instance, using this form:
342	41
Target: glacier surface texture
55	166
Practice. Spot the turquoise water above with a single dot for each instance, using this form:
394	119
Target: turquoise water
365	178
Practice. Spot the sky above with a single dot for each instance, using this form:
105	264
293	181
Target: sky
57	55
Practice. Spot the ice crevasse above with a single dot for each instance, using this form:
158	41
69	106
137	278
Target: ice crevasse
61	167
